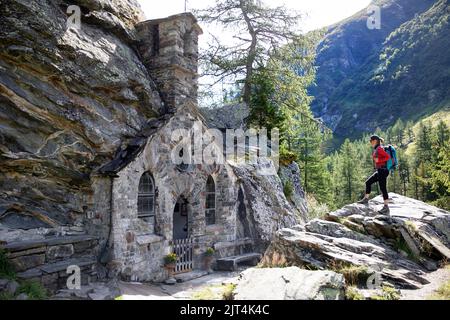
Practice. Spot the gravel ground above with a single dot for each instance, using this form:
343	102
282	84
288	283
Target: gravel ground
436	278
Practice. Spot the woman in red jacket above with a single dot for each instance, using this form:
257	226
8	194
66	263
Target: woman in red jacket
380	157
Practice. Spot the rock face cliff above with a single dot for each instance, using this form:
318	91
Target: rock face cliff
68	99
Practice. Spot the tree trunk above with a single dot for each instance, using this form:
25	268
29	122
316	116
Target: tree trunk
251	56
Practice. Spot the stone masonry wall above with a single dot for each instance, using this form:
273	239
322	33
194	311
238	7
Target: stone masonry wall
139	246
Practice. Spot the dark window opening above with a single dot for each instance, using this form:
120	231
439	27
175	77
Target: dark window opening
146	196
210	205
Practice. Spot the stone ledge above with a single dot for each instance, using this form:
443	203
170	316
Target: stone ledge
25	245
56	267
148	239
228	244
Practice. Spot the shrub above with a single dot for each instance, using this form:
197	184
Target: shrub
288	189
353	275
228	293
209	251
33	289
387	293
6	269
316	210
351	293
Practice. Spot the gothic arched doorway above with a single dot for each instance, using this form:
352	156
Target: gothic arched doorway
182	242
180	219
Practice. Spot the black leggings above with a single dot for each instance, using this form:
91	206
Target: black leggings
379	176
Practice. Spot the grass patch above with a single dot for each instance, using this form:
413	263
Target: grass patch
316	210
33	289
443	293
387	293
353	275
216	292
352	293
274	260
228	292
411	226
6	296
288	189
401	245
6	269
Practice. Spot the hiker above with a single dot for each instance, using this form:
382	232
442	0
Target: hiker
380	157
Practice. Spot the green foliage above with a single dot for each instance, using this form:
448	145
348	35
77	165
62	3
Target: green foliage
423	174
288	189
170	258
6	296
405	76
443	293
352	293
228	292
33	289
316	209
209	251
387	293
401	245
6	269
353	274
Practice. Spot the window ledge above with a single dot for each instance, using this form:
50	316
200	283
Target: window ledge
148	239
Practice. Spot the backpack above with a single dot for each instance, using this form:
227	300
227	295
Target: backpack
392	163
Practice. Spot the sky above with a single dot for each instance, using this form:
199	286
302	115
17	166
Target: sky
320	13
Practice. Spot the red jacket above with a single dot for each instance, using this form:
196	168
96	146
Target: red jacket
380	157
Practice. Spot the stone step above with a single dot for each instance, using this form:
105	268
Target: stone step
31	244
230	263
55	267
188	276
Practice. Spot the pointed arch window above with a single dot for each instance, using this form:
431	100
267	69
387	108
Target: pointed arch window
210	206
146	196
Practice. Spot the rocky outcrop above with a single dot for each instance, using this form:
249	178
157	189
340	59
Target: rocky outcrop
399	248
68	99
262	206
289	284
232	116
290	178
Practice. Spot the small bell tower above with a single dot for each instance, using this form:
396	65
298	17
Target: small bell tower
169	49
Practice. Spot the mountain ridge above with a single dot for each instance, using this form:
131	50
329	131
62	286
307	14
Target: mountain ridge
370	78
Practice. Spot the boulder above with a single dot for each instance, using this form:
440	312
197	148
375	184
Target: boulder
12	287
22	296
262	206
289	284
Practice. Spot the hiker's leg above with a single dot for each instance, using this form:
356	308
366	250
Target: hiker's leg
382	181
371	180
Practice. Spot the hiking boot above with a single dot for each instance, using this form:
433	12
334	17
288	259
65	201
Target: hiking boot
385	210
363	201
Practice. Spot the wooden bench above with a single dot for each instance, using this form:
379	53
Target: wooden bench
230	263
